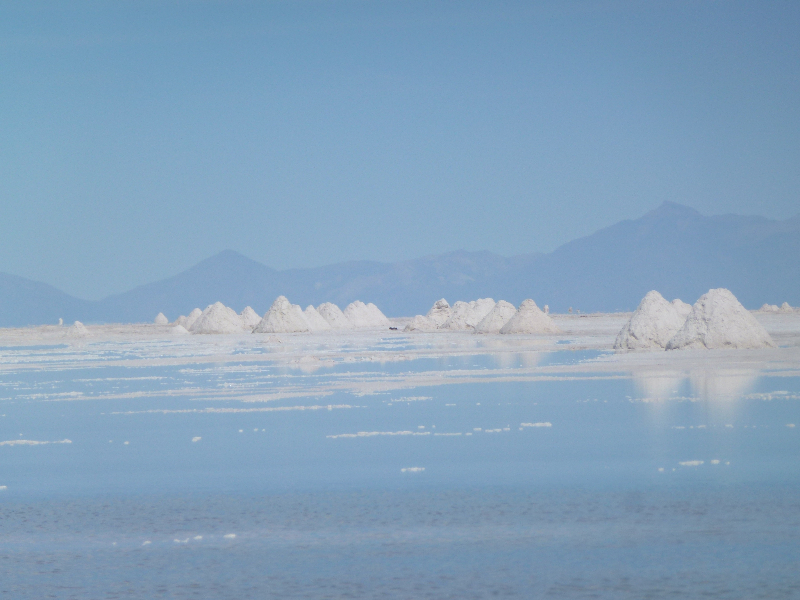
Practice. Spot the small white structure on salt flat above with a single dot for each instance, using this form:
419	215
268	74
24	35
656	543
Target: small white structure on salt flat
530	319
161	319
654	322
334	316
363	315
315	321
439	312
217	318
283	317
466	315
249	318
497	318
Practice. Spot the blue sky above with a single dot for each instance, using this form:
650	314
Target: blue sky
137	138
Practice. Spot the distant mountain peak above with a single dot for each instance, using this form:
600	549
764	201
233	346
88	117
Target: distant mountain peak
673	210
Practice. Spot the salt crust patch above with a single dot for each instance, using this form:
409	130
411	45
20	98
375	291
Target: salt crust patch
529	319
362	315
364	434
718	320
161	319
439	313
217	318
167	411
652	325
466	315
249	318
500	314
315	321
283	317
540	424
32	442
691	463
412	469
333	315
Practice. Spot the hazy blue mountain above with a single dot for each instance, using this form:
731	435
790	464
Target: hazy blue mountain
673	249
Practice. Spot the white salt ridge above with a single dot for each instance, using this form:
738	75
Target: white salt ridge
193	316
362	315
466	315
161	319
652	325
718	320
439	312
283	317
420	323
333	315
681	307
315	320
497	318
249	318
529	319
217	318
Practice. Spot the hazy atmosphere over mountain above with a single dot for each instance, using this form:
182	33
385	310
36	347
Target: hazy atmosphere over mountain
673	249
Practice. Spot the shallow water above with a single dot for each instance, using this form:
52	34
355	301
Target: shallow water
510	482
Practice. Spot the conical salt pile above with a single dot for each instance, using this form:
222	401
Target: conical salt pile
466	315
681	307
178	330
652	325
249	318
193	316
333	315
180	321
283	317
769	308
363	315
315	320
420	323
497	317
718	320
77	329
161	319
217	318
530	319
786	308
439	312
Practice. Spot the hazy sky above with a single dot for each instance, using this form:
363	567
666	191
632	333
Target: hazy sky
137	138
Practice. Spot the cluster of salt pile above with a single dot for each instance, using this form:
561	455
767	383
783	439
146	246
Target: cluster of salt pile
316	322
77	329
786	308
466	315
283	317
681	307
249	318
217	318
769	308
653	324
420	323
161	319
362	315
187	322
439	313
718	320
529	319
333	315
497	318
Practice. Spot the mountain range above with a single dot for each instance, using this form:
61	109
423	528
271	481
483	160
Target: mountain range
673	249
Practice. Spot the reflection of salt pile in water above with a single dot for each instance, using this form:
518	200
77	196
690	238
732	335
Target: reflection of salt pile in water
283	317
217	318
161	319
718	320
363	315
652	325
466	315
315	320
333	315
681	307
439	313
249	318
530	319
500	314
420	323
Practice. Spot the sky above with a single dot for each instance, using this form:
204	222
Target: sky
138	138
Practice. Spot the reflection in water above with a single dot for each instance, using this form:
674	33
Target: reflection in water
658	385
722	384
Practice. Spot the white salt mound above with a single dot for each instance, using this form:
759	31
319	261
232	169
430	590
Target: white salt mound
315	320
466	315
497	317
283	317
77	329
786	308
362	315
333	315
769	308
652	325
217	318
718	320
439	312
249	318
192	317
178	330
161	319
181	321
420	323
681	307
530	319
